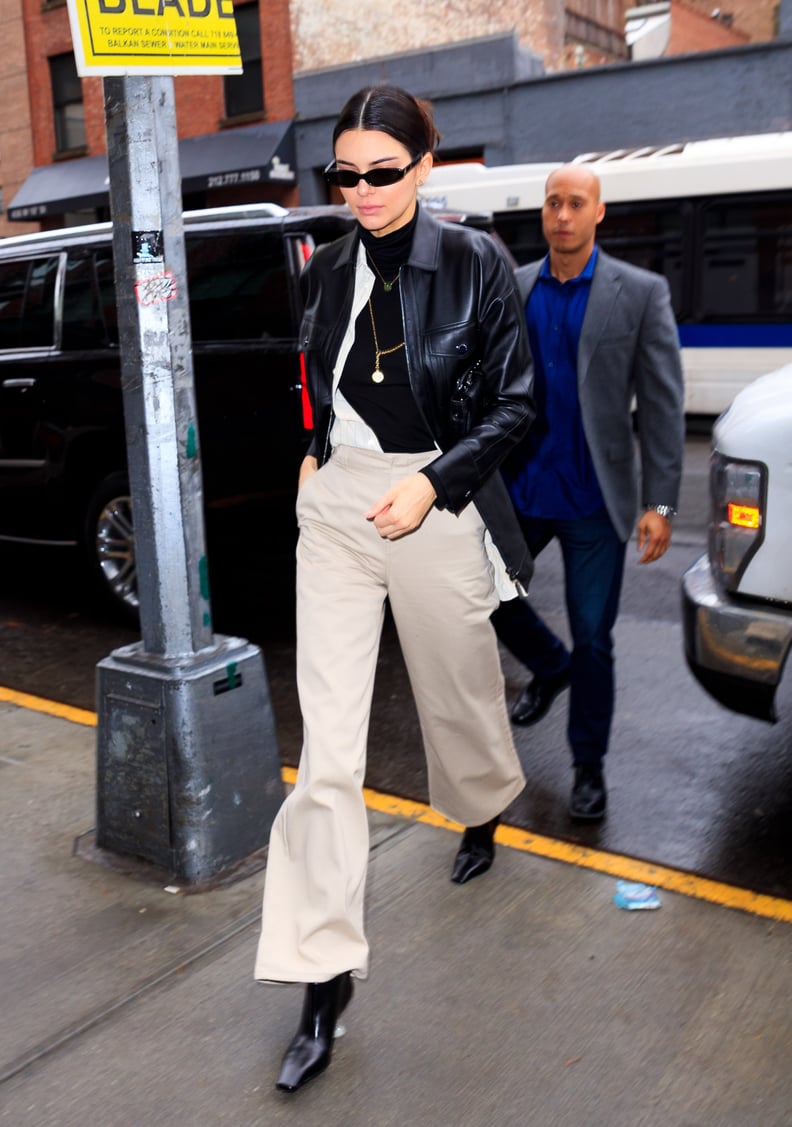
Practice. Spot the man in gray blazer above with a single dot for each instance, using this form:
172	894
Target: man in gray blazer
604	340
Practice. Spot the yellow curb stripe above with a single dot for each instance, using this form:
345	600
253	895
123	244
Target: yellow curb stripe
646	872
50	707
611	864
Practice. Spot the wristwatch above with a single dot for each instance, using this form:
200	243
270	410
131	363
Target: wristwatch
667	511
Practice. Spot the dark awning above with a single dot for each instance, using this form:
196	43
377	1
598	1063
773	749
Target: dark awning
251	155
69	185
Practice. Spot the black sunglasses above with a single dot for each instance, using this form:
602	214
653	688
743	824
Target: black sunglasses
375	177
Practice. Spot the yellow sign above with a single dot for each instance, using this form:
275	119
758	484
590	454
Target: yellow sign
154	37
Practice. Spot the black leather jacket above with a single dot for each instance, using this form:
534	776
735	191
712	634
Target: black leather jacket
459	305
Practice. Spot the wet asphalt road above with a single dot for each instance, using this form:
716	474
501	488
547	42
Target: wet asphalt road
691	785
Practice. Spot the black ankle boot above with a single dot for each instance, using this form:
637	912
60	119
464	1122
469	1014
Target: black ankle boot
309	1052
476	852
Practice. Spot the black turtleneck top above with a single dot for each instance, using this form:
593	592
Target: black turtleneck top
388	407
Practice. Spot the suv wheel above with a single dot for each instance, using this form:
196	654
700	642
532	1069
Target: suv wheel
110	544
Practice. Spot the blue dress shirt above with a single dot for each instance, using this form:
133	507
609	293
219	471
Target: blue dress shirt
557	479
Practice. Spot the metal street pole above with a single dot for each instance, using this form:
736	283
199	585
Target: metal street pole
156	364
188	766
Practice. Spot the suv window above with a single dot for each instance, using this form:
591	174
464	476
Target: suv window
27	303
239	287
89	305
238	282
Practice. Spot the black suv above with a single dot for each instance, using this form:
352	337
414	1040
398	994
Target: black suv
63	477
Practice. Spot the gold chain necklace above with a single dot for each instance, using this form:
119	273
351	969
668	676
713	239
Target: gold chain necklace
377	375
387	286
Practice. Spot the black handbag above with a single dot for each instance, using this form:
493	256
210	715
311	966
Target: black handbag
467	400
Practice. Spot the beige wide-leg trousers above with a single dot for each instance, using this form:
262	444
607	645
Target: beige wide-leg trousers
441	592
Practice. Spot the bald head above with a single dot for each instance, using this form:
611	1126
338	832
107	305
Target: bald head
579	174
571	211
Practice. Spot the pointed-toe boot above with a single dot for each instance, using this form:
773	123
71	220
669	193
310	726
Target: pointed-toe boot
310	1050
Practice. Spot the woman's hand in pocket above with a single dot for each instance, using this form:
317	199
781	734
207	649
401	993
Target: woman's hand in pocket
308	467
403	508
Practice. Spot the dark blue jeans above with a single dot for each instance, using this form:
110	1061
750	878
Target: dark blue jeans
593	558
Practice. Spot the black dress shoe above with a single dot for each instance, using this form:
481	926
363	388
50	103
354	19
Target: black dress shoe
309	1052
475	853
589	798
537	697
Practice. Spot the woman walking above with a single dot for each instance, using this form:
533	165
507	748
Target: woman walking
395	501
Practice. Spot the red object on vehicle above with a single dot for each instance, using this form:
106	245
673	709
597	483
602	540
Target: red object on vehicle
307	413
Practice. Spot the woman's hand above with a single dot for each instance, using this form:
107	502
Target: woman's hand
402	508
308	466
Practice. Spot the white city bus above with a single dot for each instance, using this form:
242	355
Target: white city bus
715	217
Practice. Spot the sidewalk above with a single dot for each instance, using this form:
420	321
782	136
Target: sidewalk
524	998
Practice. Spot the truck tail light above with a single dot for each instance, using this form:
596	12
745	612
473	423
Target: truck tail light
738	492
744	516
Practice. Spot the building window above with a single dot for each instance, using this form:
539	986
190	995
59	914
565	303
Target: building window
67	102
244	93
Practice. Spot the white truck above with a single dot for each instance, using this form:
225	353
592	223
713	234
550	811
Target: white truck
737	598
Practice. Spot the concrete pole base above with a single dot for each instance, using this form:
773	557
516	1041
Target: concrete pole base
188	769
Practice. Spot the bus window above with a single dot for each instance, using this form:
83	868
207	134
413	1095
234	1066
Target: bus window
521	231
746	268
650	235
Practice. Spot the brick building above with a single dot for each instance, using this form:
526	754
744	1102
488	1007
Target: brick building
572	34
52	143
16	133
565	34
677	27
53	123
757	19
694	30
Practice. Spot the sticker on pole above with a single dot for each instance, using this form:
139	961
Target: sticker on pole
154	37
156	290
